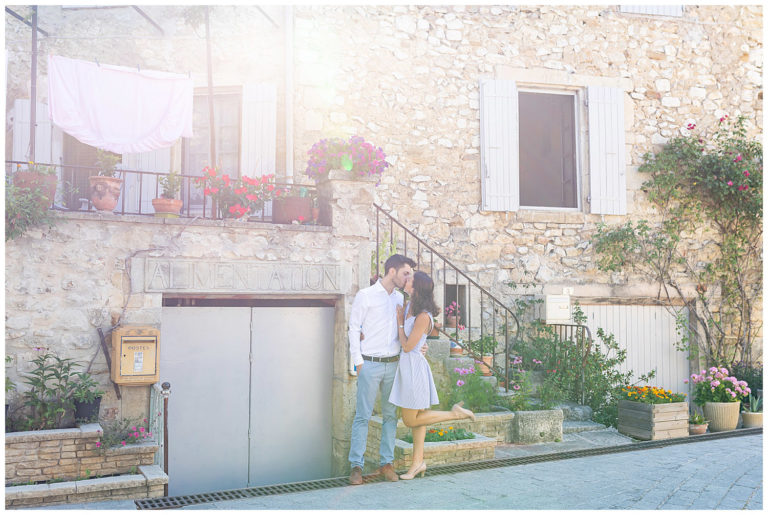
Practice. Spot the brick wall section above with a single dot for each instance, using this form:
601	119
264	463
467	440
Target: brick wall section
441	453
68	454
148	483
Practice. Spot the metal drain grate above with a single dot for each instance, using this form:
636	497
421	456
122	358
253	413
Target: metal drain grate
319	484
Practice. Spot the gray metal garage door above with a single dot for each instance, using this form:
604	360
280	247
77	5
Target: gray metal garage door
250	395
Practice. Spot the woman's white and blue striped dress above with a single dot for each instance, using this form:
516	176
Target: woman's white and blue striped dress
414	386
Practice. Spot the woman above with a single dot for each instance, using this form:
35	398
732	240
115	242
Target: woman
414	389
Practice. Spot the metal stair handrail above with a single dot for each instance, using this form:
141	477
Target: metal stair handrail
496	304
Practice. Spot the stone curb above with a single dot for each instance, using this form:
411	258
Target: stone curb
154	474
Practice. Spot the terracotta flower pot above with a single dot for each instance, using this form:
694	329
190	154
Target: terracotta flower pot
33	181
286	210
167	207
485	365
751	419
697	429
105	191
722	416
450	321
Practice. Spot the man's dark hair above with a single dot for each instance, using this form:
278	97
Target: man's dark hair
398	261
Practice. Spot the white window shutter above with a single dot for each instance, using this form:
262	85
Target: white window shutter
259	129
43	133
499	137
607	160
147	187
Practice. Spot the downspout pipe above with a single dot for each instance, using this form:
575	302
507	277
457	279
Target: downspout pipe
33	92
289	93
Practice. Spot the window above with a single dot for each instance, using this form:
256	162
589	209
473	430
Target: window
531	145
547	150
226	119
227	109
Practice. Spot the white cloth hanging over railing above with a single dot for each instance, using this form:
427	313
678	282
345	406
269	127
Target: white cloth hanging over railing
119	109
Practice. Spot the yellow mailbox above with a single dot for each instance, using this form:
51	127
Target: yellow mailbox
135	355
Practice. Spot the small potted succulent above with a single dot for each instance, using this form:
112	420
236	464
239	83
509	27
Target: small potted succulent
167	205
697	425
105	187
752	416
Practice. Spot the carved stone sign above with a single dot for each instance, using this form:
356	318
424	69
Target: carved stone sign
202	276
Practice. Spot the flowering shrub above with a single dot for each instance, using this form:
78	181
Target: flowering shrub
453	309
650	395
123	432
355	155
443	435
715	385
468	386
237	197
711	183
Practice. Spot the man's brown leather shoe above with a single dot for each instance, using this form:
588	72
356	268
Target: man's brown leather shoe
356	476
389	472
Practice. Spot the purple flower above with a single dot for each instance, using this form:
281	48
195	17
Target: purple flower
733	394
713	370
459	383
516	387
715	383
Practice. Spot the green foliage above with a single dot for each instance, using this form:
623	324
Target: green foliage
107	161
54	386
50	395
577	369
704	187
386	249
171	184
483	346
9	385
23	211
467	385
697	419
755	404
443	435
86	389
123	431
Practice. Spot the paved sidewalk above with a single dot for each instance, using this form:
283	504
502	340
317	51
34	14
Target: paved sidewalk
713	474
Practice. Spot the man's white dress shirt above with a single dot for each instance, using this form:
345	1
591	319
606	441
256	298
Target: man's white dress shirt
374	313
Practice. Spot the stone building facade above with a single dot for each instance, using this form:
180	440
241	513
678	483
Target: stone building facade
408	79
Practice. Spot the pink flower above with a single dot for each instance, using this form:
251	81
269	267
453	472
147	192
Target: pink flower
145	420
98	444
459	383
516	387
738	158
715	383
746	173
141	429
730	183
712	370
724	370
691	126
733	394
719	375
149	434
685	381
123	442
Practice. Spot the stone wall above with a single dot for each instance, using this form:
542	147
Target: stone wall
69	454
87	272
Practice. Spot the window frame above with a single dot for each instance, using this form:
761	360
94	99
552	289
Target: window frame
578	94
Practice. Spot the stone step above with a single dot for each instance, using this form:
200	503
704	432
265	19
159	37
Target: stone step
574	411
580	426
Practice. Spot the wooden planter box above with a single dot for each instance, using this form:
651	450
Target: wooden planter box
653	421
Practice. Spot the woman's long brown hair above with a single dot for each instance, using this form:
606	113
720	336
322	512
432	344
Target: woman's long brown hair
423	295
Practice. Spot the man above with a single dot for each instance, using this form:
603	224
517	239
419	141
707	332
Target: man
374	313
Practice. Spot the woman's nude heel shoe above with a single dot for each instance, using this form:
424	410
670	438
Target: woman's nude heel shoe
420	470
467	414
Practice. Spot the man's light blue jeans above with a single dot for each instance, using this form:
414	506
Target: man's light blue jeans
371	379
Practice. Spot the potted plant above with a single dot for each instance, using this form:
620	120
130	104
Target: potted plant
753	415
236	198
168	206
87	397
652	413
24	209
697	424
39	179
355	158
105	187
719	394
434	333
452	314
292	204
484	348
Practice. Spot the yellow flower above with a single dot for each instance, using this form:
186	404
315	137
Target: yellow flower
450	427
